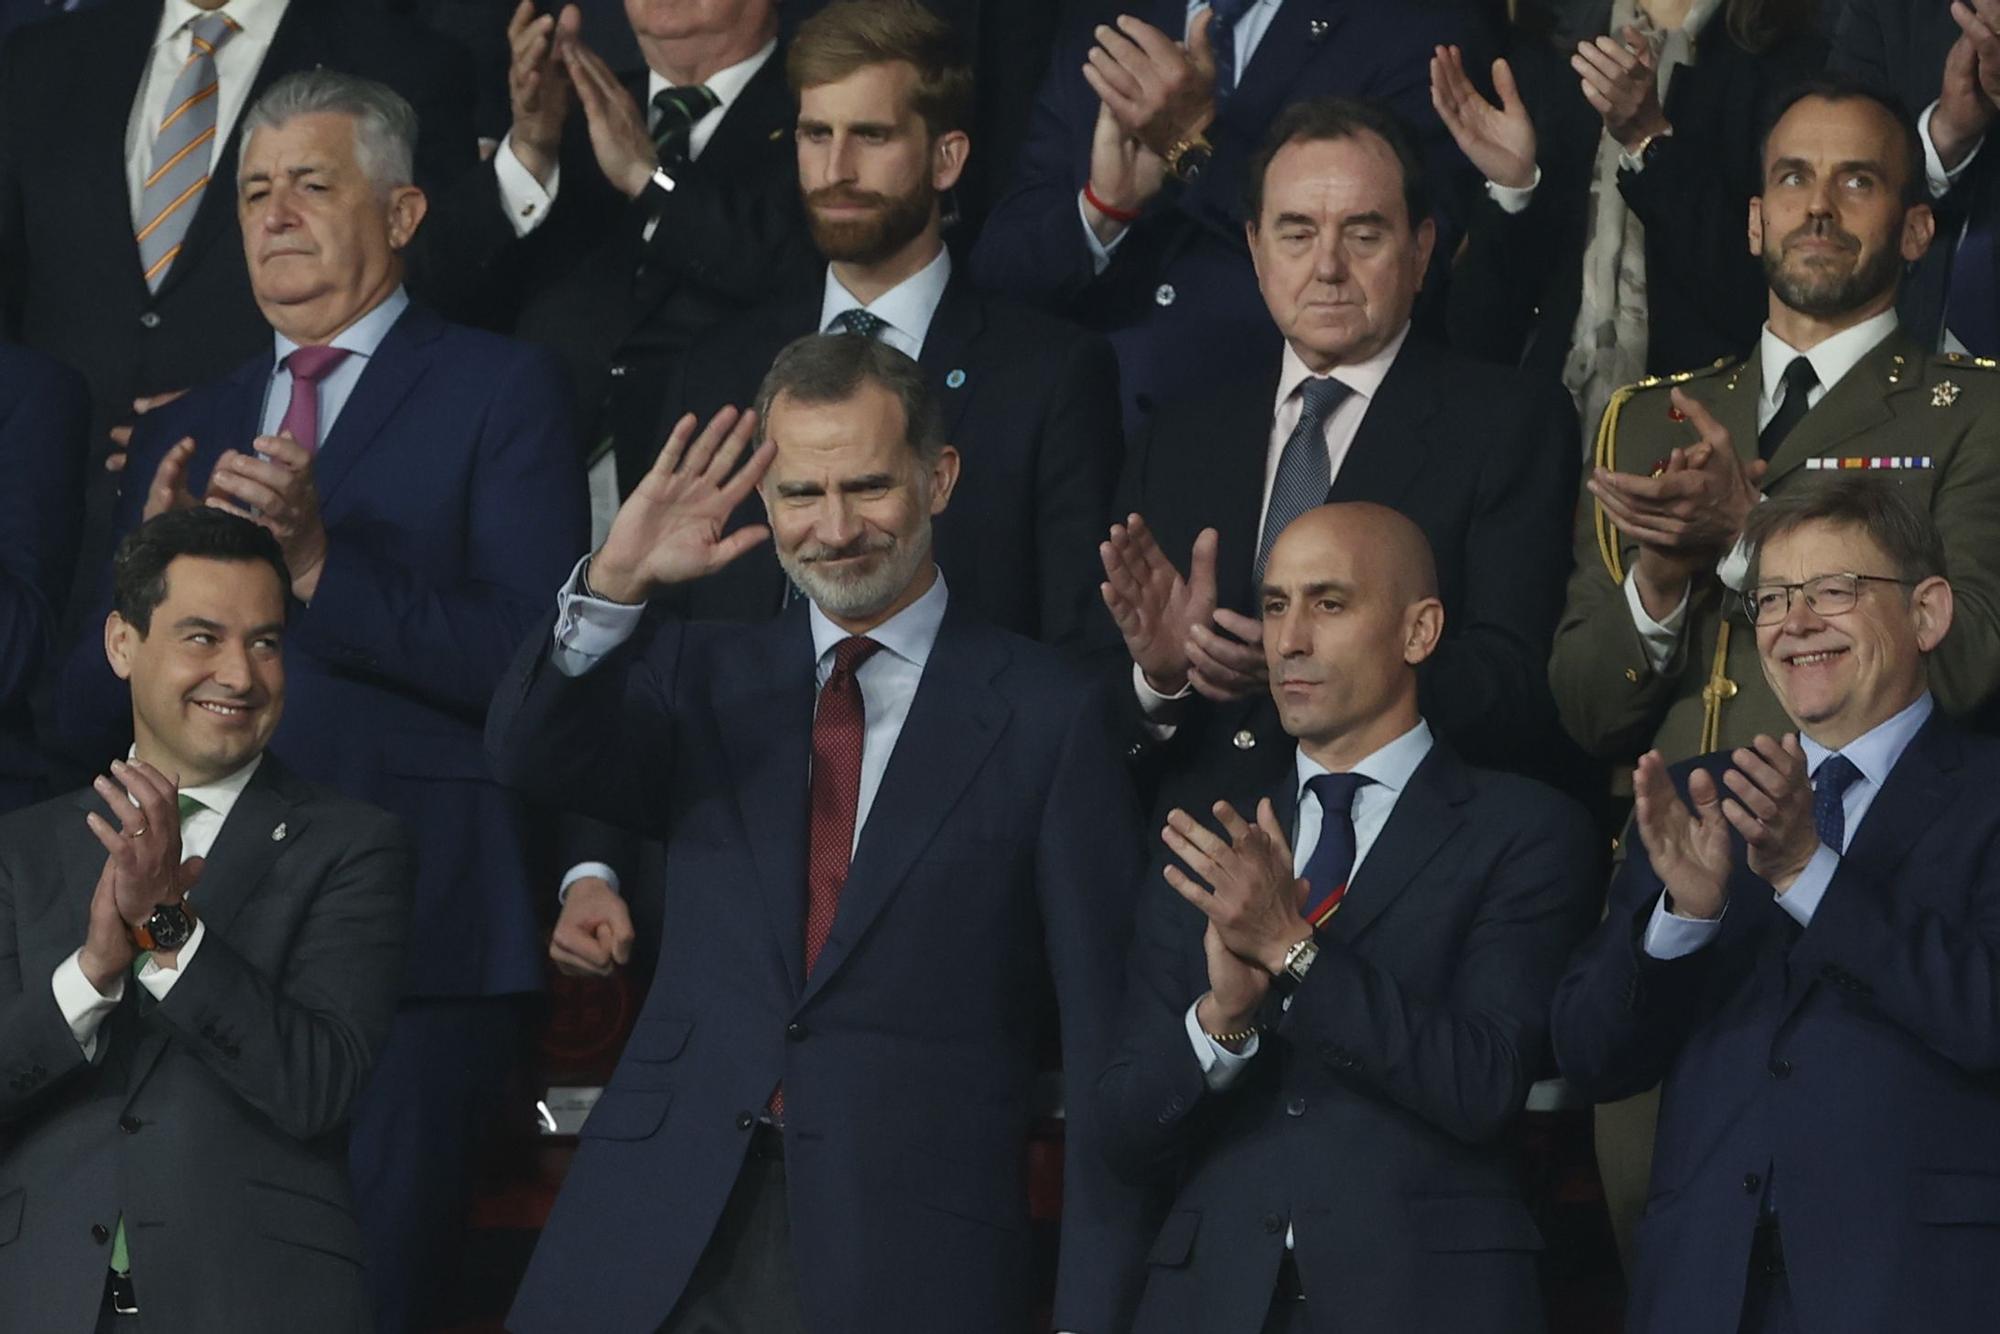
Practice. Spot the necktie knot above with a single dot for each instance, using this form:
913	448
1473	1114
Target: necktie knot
1320	396
675	111
189	805
313	364
859	321
1800	379
1336	791
850	653
1836	773
210	31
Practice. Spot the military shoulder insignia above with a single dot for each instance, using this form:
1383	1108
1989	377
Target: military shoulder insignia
1605	453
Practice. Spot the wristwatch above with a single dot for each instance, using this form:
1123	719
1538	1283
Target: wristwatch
167	929
1298	959
1189	158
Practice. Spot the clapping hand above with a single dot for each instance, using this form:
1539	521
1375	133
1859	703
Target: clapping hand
274	487
143	866
1970	91
1688	844
1161	91
670	529
1498	141
618	135
1241	880
1621	81
1771	806
538	84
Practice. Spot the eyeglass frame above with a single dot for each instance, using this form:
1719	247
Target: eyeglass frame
1749	595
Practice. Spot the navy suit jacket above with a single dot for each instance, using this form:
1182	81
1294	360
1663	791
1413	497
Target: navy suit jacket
1031	404
453	498
1002	849
1855	1066
1179	300
1371	1120
44	408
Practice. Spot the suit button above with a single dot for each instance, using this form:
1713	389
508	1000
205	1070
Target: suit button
129	1124
1296	1107
1752	1183
1273	1224
1175	1104
1164	294
796	1032
744	1120
149	320
1781	1068
100	1233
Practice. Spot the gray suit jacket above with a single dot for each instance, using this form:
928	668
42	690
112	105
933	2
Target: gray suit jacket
214	1121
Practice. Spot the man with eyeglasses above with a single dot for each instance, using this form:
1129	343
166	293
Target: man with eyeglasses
1804	944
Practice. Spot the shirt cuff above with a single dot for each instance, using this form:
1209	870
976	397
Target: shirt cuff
588	871
83	1008
160	980
1514	199
1671	936
1661	638
1219	1065
588	628
1161	711
526	199
1802	899
1734	569
1100	251
1939	179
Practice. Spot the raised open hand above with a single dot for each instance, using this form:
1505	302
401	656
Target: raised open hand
1155	608
1498	141
1689	847
670	529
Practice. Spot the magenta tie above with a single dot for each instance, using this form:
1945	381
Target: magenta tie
308	366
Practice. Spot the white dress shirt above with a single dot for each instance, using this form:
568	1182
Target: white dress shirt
236	62
1247	35
82	1006
1364	378
1875	752
527	201
362	338
905	309
1831	360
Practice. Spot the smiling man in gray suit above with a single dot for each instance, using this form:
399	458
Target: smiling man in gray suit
198	960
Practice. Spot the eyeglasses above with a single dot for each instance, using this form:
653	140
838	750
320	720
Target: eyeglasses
1826	594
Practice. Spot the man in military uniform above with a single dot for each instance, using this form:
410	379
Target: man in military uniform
1652	650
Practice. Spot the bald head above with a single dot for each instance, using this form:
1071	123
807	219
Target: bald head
1350	609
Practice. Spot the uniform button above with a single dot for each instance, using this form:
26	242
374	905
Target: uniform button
1752	1183
744	1120
1273	1224
1632	675
1164	294
796	1032
1296	1107
150	320
1781	1068
129	1124
100	1233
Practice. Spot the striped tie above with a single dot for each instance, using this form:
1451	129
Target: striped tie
676	111
183	147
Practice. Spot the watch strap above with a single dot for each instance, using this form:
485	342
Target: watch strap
142	935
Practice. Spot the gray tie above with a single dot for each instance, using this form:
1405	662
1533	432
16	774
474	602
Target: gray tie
1305	471
182	150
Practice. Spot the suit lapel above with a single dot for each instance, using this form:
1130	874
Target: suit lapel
950	347
1860	402
104	113
1226	466
398	364
1425	820
1391	448
954	722
764	714
762	113
1287	47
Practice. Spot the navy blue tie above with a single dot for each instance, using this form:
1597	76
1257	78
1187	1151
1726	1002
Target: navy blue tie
1835	775
1222	40
1332	859
1305	469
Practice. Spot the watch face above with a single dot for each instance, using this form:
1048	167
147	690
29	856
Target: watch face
169	926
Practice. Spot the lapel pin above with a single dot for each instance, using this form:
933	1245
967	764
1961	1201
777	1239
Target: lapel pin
955	380
278	834
1944	394
1244	740
777	135
1163	295
1316	30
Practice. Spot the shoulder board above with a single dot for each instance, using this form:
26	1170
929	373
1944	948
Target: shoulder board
1605	453
1964	361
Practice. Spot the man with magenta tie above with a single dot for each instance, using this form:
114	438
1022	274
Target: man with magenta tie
423	482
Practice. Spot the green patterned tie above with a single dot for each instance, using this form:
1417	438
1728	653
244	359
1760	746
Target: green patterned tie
121	1254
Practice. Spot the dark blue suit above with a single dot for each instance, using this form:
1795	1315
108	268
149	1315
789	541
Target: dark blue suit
453	498
1001	848
1371	1120
1854	1065
44	410
1179	300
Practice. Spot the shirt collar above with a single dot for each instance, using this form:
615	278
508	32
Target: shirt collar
1389	768
1363	377
907	307
257	19
363	336
219	796
1875	751
908	634
726	83
1833	358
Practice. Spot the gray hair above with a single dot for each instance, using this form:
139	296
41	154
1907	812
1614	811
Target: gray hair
830	368
385	125
1881	510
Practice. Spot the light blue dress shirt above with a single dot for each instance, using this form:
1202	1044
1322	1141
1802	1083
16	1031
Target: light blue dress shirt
1874	753
905	309
362	338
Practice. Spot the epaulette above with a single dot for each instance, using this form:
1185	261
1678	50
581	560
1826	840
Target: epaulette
1966	359
1605	453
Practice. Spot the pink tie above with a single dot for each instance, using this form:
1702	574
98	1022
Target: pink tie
308	366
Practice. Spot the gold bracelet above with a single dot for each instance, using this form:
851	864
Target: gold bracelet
1180	150
1232	1039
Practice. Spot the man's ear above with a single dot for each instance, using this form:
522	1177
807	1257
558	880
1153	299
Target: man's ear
121	643
1423	626
407	207
944	479
948	157
1931	611
1919	229
1757	226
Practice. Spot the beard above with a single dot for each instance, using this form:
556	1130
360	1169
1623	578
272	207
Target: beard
1822	290
871	587
897	221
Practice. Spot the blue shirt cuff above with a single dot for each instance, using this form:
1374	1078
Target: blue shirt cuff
1670	936
1802	899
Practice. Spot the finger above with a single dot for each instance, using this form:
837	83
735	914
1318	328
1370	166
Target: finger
1221	674
1246	628
113	842
1194	832
1122	108
1508	89
1191	889
1703	793
243	493
229	506
285	451
751	474
1630	522
729	451
1623	59
740	542
124	806
669	460
115	461
1159	48
1267	820
1201	572
521	20
1604	57
1114	83
708	442
1233	825
1754	831
147	783
1200	43
1706	426
1214	689
622	937
1592	94
1121	50
1225	653
1749	795
572	962
276	476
